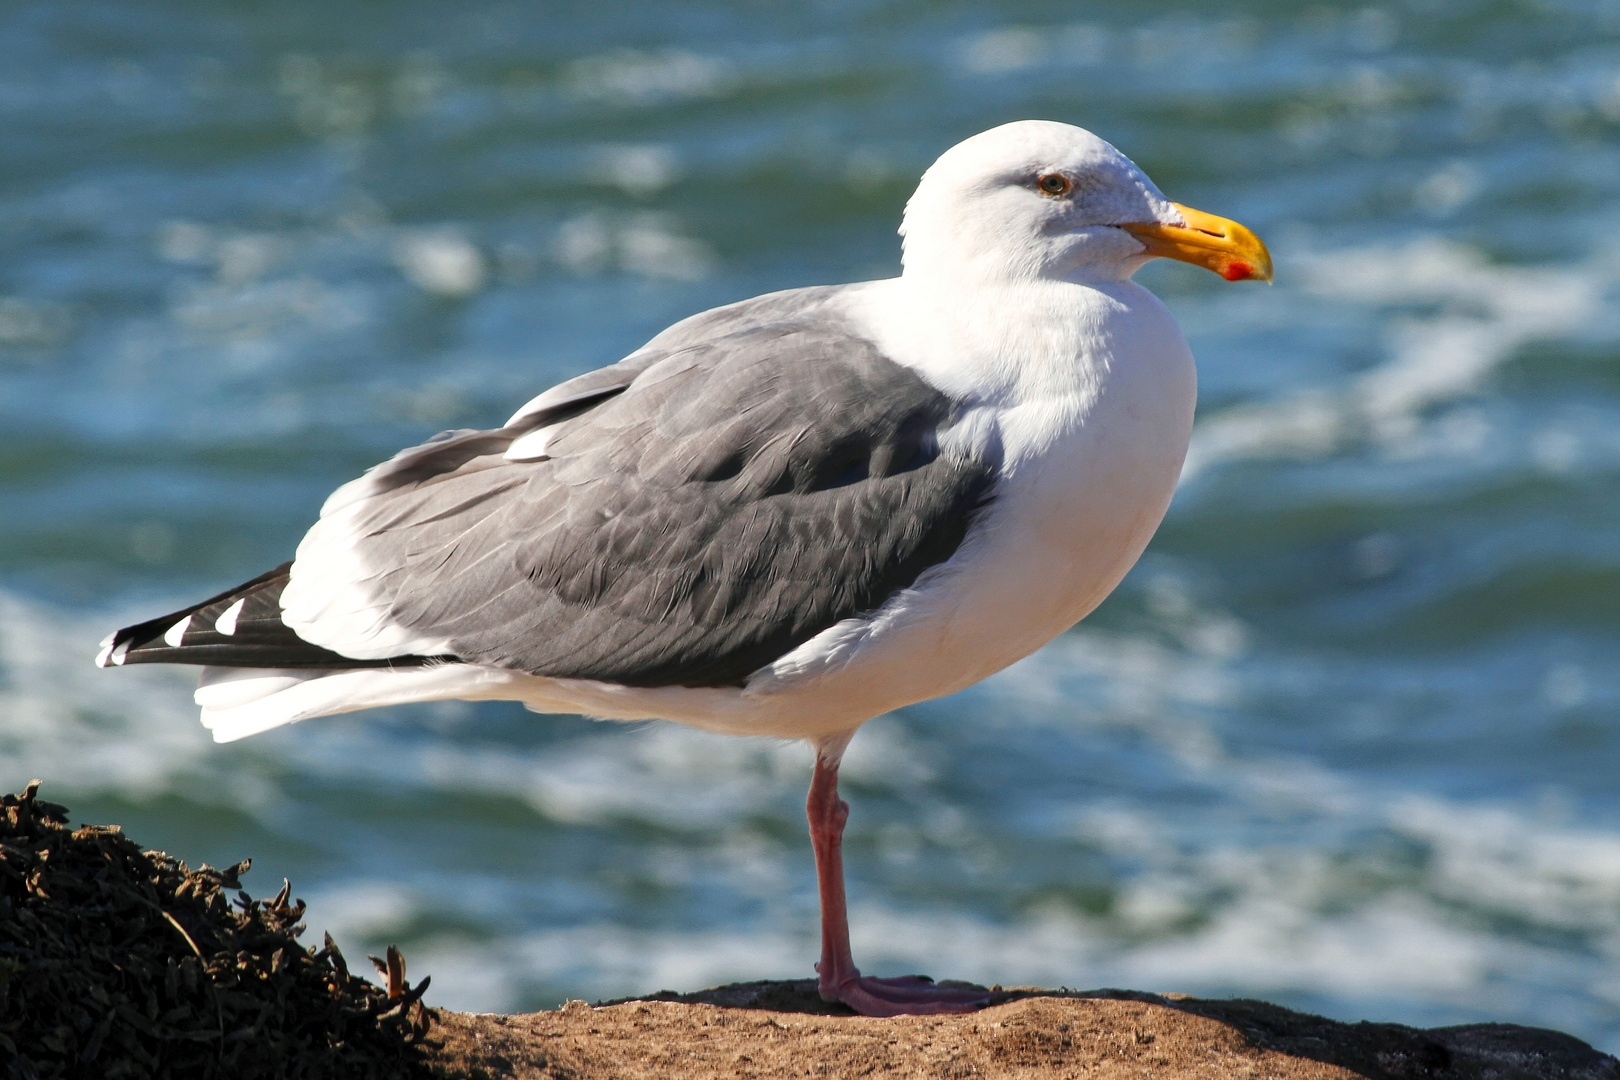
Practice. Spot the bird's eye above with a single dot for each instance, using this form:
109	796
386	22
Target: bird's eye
1054	184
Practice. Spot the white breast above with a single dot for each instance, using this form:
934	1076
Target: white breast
1090	411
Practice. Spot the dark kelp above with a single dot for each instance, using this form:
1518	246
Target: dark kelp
117	962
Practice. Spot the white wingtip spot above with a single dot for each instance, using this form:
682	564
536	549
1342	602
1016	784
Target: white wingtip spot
104	655
530	447
226	623
176	633
119	654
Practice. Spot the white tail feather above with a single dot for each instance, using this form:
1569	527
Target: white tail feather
231	687
240	702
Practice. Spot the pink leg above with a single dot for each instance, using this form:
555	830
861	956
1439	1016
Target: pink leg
840	979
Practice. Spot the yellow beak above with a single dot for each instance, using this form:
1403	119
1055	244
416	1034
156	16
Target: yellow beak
1216	243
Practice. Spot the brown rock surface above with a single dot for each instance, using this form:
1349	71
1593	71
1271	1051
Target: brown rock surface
781	1029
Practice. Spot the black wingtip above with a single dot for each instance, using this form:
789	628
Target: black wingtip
113	648
117	646
240	627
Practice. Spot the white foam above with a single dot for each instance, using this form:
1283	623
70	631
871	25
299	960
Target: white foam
131	731
1397	955
658	772
441	261
649	77
647	244
1500	858
1454	319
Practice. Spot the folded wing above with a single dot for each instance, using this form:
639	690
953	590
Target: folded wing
691	515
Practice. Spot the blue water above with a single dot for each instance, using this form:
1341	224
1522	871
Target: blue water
1347	738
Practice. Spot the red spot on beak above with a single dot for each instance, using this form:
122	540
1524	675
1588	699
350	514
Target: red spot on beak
1237	270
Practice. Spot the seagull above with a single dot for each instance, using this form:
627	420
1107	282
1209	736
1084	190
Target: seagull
780	517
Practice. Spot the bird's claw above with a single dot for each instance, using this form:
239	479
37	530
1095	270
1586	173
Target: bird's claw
905	996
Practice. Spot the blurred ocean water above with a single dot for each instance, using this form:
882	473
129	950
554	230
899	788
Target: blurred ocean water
1347	738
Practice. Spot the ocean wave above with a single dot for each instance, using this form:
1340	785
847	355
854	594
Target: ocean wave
1451	318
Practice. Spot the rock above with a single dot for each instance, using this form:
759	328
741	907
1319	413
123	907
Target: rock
767	1030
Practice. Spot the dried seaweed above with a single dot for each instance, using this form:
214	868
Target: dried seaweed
121	963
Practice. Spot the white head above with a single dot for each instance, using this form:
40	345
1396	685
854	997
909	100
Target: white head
1038	199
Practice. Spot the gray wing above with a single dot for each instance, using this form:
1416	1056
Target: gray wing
704	507
448	450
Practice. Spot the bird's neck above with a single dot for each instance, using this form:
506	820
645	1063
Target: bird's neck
1000	342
